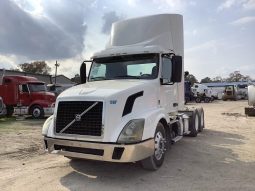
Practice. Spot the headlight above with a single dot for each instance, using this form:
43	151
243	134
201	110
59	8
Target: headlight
132	132
46	125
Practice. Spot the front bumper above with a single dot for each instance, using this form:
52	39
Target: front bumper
100	151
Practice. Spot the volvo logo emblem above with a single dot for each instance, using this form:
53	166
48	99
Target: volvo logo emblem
77	117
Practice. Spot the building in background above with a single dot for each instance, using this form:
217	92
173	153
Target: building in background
62	80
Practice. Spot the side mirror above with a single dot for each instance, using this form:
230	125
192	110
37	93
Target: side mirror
83	73
176	69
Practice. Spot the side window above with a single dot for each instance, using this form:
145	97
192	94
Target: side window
142	69
23	88
166	73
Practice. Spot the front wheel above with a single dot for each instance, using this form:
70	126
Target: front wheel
156	160
37	112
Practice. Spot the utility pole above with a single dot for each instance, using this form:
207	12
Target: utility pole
57	65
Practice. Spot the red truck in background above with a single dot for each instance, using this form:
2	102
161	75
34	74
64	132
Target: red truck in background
26	95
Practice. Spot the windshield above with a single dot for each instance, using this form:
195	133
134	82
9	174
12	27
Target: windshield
143	66
37	87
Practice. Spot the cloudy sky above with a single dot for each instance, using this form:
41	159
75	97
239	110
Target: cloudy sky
219	35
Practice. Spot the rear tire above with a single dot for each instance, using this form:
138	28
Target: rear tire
155	161
201	120
194	124
198	100
207	100
9	111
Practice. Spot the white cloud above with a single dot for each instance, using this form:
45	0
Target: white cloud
245	4
249	4
33	7
243	20
132	3
11	61
227	4
174	5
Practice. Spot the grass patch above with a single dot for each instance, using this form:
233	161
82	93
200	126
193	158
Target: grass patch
6	120
11	124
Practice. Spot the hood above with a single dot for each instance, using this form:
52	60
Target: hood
44	96
102	89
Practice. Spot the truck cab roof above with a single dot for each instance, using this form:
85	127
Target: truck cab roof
20	79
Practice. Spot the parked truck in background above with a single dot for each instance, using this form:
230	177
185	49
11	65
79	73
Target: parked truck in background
131	109
26	95
202	93
230	93
250	111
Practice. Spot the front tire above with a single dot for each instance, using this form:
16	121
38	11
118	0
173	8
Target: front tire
155	161
37	112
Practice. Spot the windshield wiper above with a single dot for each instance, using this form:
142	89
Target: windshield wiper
128	77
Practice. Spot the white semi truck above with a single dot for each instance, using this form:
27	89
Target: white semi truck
131	107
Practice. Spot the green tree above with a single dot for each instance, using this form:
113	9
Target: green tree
218	79
206	80
15	69
235	76
191	78
37	67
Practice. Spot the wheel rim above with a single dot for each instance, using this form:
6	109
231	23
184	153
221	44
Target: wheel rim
196	122
159	145
36	112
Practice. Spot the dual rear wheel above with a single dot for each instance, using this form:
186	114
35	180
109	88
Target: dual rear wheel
196	122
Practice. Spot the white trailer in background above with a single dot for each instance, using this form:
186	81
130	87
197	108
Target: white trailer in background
131	109
250	111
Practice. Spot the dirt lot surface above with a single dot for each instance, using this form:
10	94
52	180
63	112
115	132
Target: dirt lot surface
220	158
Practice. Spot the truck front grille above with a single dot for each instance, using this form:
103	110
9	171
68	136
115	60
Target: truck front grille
89	124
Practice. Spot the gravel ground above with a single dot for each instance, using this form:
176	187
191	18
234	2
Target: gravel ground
222	157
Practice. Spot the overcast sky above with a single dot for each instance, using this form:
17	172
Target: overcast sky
219	35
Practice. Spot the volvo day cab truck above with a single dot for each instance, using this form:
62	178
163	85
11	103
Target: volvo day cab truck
131	108
24	95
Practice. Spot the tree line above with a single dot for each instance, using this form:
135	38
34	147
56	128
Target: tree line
36	67
235	76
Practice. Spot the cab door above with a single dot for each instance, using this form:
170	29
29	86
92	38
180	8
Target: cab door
24	95
168	89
